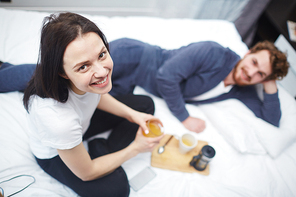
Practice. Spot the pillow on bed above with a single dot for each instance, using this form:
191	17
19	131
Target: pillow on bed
249	134
226	117
276	140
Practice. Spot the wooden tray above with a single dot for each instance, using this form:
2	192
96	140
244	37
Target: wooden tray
172	159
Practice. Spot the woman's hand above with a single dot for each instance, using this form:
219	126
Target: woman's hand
145	144
141	118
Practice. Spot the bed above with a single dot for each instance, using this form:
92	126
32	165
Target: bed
253	158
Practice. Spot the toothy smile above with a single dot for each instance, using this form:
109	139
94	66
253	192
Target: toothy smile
100	82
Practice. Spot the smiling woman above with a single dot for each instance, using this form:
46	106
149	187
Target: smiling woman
92	65
67	102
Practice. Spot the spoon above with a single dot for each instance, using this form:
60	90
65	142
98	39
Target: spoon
161	149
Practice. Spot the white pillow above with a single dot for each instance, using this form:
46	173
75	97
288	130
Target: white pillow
249	134
226	117
276	140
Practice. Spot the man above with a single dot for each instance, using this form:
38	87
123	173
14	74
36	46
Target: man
202	72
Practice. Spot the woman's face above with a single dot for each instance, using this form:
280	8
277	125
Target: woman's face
88	65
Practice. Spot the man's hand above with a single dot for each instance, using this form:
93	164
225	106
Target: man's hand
194	124
270	86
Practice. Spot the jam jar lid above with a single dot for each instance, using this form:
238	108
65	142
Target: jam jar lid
208	151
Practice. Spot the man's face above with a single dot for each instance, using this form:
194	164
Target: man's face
253	68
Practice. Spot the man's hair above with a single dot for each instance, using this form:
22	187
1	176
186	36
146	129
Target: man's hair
278	60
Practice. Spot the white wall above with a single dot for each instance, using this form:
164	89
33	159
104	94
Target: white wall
100	7
205	9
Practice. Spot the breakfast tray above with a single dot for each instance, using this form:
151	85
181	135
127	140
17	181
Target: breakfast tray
172	159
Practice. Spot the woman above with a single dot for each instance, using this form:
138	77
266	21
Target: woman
72	79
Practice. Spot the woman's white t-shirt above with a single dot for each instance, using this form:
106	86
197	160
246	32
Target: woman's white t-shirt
54	125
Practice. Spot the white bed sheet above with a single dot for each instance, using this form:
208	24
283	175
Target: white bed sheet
234	171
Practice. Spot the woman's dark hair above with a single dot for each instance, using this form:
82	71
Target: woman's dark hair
278	59
58	31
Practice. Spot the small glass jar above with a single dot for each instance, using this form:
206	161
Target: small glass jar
155	128
200	161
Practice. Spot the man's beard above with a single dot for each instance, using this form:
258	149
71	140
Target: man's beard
237	82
